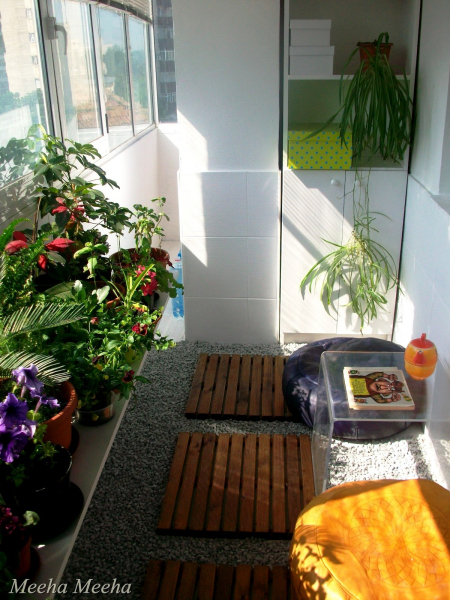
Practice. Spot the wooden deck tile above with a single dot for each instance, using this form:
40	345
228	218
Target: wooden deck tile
174	580
238	387
237	485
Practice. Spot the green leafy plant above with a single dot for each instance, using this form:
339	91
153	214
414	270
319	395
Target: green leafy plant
361	267
147	224
99	356
21	311
376	106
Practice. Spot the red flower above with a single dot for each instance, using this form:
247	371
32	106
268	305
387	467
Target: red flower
15	246
94	320
148	288
140	269
42	261
18	235
61	208
140	329
58	244
128	376
75	212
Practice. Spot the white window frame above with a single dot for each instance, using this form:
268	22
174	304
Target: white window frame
55	85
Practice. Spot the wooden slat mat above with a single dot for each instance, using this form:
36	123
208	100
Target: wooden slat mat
174	580
237	485
238	387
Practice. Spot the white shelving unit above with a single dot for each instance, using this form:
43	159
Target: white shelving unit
315	203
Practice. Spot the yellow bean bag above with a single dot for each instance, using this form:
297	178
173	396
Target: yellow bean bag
374	540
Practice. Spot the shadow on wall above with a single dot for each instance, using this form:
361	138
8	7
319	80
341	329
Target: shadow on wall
168	166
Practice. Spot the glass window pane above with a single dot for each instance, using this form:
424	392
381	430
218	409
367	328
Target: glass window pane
140	75
77	70
165	61
22	93
115	77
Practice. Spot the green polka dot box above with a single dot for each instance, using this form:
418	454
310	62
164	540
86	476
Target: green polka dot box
322	151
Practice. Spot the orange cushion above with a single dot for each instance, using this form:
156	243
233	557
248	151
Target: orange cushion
374	540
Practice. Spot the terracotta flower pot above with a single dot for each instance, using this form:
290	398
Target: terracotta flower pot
158	254
59	427
24	559
367	49
161	256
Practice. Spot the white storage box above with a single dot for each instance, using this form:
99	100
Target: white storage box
311	60
310	32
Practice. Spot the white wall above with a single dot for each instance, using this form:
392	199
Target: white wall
144	170
425	270
432	94
228	110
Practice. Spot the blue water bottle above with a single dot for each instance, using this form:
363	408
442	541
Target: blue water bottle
177	302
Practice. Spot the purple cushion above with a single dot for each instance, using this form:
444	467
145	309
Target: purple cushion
300	378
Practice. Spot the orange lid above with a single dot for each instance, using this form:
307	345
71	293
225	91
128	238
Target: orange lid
422	342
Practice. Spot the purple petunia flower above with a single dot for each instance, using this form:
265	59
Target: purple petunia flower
46	400
49	401
26	377
13	411
12	442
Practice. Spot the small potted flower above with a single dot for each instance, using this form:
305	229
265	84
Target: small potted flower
26	390
34	474
15	546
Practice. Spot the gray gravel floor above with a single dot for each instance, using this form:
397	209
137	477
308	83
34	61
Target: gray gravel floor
118	536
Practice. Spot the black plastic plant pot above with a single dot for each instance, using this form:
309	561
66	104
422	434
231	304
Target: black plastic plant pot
50	493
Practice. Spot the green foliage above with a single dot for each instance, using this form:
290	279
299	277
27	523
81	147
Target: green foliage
148	224
100	356
50	371
116	68
362	267
376	106
40	310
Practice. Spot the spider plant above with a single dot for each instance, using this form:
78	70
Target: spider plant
376	106
361	267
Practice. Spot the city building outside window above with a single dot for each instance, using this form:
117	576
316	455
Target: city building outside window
87	74
165	61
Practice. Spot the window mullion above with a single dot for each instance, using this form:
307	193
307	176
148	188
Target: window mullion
54	109
101	92
130	74
153	84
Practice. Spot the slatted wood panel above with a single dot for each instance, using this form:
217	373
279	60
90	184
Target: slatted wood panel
173	580
237	485
238	387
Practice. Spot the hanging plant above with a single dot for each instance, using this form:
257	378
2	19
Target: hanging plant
376	105
362	267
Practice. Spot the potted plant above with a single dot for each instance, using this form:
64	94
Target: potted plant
54	409
66	184
15	546
34	474
67	259
100	356
377	106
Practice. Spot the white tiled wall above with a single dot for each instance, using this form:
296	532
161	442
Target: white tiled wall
424	305
230	247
